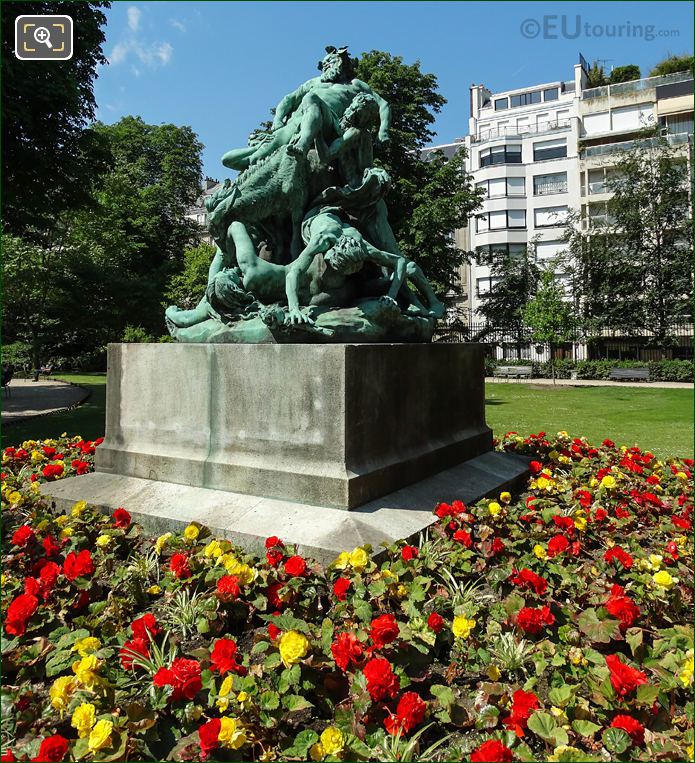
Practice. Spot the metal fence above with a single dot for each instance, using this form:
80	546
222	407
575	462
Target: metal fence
600	343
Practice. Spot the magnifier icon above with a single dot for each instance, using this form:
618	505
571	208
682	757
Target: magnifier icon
43	36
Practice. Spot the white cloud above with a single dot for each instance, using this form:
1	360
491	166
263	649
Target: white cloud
178	25
134	15
119	53
135	71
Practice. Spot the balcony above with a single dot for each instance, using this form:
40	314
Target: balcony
679	139
515	132
635	86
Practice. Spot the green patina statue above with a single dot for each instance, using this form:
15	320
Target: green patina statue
305	252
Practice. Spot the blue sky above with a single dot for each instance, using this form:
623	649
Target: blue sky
220	66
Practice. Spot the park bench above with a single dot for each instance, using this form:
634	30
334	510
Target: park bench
44	371
629	374
515	372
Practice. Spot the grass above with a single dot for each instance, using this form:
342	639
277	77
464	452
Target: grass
87	419
657	419
660	420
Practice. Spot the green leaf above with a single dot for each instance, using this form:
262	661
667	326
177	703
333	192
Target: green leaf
585	728
633	636
363	610
601	631
302	743
294	702
269	700
647	694
616	740
272	661
560	696
543	725
444	694
59	662
260	647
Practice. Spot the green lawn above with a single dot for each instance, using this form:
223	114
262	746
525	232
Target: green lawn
660	420
657	419
86	420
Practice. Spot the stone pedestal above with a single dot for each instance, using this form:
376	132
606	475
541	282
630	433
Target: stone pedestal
328	446
332	425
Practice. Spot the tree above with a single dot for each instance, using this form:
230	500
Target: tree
596	76
132	239
548	315
186	288
45	110
672	64
625	74
30	273
429	199
634	269
514	278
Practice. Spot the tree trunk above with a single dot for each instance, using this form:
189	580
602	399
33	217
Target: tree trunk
552	362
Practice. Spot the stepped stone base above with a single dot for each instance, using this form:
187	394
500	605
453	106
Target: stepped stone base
320	532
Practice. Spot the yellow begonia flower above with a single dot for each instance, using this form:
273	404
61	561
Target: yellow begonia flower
505	497
539	551
580	523
332	741
61	519
104	540
61	691
542	483
293	647
577	656
493	673
691	751
100	736
608	481
155	590
191	533
85	671
161	542
664	579
686	674
494	508
213	550
401	591
86	646
681	476
232	734
342	561
655	560
3	579
15	498
79	508
562	750
462	626
359	559
316	751
83	718
66	532
36	457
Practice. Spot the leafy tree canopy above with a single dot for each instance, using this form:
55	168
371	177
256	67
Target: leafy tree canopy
672	64
45	111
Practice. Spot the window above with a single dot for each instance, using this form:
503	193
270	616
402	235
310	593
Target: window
501	104
516	187
500	220
677	123
485	285
500	155
549	149
500	187
551	94
487	252
547	184
525	99
545	217
548	250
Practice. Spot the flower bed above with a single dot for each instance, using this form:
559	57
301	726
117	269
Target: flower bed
553	625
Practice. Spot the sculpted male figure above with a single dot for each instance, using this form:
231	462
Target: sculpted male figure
314	108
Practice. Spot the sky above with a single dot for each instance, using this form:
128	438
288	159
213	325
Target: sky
221	66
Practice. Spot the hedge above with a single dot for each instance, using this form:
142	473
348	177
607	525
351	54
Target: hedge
659	370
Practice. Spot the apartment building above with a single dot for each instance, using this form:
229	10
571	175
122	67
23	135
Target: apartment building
543	150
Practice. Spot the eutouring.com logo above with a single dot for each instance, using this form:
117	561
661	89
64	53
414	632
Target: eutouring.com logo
557	27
